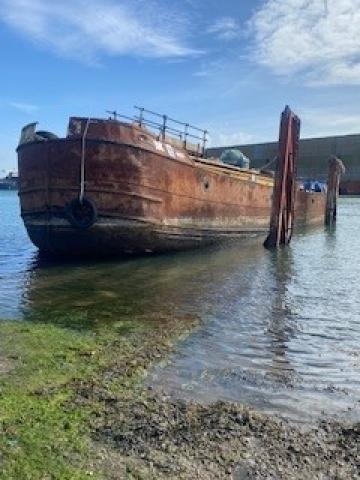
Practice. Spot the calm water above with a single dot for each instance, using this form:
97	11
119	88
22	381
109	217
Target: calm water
279	331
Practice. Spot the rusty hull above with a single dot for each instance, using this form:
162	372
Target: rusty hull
309	209
150	194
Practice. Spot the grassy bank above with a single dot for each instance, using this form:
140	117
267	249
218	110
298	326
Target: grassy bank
44	431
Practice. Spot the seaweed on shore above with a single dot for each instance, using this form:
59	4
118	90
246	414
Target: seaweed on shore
74	406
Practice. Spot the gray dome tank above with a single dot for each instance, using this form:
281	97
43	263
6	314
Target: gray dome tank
235	157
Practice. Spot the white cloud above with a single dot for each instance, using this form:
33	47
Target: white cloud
210	68
24	107
221	139
87	29
225	28
329	121
318	39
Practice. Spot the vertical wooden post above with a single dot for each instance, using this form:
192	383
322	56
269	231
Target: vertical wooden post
336	169
283	204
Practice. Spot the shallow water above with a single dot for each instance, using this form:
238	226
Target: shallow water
280	331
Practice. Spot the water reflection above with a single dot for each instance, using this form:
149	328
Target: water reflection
279	331
289	344
282	324
105	291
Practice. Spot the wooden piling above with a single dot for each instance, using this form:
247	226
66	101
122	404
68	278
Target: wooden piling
283	204
336	169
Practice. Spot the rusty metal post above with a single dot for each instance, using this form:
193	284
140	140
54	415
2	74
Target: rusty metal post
336	169
283	204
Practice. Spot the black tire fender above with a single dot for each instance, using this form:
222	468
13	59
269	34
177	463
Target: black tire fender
81	215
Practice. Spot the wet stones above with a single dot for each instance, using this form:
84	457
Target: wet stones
226	440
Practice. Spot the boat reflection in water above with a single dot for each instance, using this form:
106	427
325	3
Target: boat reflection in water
176	285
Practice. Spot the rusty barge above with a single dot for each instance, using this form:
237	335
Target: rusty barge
114	186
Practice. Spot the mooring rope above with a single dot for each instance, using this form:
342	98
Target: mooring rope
82	172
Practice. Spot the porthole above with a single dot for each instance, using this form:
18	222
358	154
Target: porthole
204	182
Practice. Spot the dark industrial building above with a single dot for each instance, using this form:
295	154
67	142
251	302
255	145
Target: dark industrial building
10	182
313	158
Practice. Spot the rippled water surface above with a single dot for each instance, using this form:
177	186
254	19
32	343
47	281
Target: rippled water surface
280	331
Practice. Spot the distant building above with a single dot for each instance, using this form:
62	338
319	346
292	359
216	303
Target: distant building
313	156
10	182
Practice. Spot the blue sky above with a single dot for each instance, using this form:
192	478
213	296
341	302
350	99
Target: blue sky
229	66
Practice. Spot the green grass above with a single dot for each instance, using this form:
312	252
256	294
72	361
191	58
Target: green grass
57	381
43	435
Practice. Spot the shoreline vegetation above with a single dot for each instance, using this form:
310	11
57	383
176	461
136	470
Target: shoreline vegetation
74	405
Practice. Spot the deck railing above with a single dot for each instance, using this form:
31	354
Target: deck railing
168	125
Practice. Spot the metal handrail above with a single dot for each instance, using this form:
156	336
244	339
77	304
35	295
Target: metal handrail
144	110
168	129
164	127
